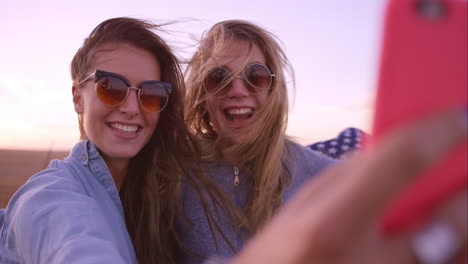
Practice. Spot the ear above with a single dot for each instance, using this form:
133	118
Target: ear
77	99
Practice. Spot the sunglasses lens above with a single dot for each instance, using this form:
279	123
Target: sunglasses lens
258	77
153	97
215	82
111	90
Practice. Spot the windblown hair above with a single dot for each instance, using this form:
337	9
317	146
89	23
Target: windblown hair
151	190
263	149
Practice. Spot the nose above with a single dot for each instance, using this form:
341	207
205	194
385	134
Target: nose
238	88
131	104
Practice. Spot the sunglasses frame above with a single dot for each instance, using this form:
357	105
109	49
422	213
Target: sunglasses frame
99	74
242	76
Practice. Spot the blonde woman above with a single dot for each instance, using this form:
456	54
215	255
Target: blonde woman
238	106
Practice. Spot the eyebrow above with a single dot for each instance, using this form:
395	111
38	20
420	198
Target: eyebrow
250	63
127	82
100	73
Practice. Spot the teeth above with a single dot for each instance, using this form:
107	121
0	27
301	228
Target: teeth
239	111
124	128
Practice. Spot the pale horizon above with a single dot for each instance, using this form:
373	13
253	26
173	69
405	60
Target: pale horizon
333	47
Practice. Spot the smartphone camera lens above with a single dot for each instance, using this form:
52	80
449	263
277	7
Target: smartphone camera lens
431	9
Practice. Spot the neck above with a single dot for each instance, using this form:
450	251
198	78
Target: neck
229	156
118	169
226	146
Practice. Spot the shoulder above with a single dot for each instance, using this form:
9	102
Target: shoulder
302	156
65	206
59	183
60	175
50	187
303	164
47	193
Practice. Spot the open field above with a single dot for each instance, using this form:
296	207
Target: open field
16	166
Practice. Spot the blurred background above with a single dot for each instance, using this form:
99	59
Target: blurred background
333	46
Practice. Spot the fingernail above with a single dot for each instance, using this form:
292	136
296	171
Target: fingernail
437	243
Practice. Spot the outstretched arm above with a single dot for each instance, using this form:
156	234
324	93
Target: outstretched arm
334	219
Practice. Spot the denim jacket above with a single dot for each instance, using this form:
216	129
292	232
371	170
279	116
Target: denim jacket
68	213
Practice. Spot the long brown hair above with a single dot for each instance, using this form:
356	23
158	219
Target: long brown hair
263	150
151	190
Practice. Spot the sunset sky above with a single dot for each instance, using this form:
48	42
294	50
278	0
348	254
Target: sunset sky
333	46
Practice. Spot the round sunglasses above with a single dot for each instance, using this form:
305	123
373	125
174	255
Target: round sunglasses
256	78
112	89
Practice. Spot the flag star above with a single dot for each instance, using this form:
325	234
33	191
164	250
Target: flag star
321	146
347	140
345	147
334	143
332	150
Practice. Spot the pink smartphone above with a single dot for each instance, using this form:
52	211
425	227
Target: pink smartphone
423	69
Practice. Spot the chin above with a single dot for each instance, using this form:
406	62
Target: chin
122	153
229	141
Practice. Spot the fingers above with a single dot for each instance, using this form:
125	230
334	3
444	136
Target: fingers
445	238
441	241
438	242
360	189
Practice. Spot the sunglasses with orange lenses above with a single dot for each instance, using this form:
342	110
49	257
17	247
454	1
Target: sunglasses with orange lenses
256	78
112	89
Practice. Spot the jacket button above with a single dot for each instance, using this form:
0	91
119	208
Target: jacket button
83	158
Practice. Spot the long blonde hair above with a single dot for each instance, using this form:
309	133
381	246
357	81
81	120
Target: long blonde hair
263	148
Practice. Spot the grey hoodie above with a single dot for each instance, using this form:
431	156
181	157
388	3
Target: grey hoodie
198	238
